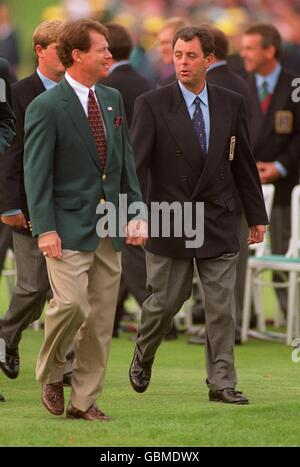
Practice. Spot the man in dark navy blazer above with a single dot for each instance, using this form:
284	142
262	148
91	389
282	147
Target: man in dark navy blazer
7	127
191	139
274	129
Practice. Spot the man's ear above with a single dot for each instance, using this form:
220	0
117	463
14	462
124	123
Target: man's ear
76	55
209	60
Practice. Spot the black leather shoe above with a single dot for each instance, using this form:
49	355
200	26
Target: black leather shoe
139	375
2	399
11	366
227	395
67	378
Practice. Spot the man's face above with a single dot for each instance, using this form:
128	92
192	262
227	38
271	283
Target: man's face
49	59
165	39
254	55
96	62
190	63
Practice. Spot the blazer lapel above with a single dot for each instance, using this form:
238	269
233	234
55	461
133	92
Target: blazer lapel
217	138
76	113
181	128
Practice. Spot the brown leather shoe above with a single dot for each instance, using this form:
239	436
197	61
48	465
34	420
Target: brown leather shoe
227	395
53	398
93	413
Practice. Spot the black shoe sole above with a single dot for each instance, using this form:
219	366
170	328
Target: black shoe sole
8	374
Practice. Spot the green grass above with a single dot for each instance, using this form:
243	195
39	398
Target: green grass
173	412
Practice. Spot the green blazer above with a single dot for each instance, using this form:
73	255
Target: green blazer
63	180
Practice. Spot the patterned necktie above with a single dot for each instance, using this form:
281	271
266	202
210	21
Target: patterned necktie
97	127
199	126
265	97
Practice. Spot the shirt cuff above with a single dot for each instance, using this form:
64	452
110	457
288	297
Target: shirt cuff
11	212
46	233
281	169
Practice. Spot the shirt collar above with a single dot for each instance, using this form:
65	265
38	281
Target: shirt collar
217	64
189	96
271	79
48	83
117	64
78	87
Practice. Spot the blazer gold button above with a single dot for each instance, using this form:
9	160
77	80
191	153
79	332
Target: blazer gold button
103	177
102	201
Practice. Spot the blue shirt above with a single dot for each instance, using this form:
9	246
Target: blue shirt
189	98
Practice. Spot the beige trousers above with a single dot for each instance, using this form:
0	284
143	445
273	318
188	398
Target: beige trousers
85	289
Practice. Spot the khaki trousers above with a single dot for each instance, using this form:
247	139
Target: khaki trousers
85	289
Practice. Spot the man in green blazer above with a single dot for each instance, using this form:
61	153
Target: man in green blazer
77	157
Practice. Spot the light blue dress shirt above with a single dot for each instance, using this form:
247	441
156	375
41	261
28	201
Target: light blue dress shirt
189	98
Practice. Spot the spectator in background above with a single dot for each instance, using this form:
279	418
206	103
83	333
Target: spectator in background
274	129
165	40
6	137
9	47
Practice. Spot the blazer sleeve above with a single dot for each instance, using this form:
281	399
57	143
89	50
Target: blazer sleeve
245	173
7	118
39	153
11	173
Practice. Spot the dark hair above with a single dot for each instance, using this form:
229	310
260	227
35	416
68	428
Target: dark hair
221	43
75	35
204	35
119	41
269	34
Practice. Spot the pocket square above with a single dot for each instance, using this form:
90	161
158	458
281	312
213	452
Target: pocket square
118	121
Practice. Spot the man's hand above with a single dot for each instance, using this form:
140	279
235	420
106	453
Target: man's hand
18	221
50	245
256	234
268	172
136	232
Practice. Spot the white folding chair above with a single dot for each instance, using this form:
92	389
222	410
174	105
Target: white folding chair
289	264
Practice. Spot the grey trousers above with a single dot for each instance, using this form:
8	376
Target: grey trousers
170	281
30	293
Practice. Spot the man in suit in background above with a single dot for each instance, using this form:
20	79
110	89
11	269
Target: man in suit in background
29	295
221	74
6	135
7	131
192	140
131	85
78	158
274	129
